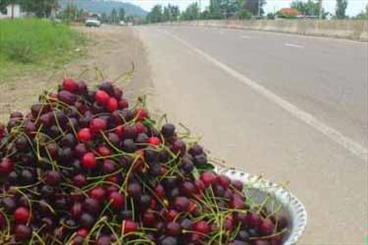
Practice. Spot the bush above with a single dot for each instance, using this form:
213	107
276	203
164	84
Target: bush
245	14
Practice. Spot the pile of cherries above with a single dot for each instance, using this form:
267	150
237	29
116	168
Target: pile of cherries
82	167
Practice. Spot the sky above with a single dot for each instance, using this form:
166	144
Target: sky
354	6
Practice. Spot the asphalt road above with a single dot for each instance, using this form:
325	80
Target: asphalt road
292	108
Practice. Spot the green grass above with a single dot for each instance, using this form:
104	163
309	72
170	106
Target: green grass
32	44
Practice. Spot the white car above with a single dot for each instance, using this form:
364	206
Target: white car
93	22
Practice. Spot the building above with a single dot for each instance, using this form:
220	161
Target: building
12	11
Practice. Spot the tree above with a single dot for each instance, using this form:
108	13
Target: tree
341	6
166	14
104	18
155	15
41	8
220	9
174	12
309	8
192	12
114	16
215	9
254	6
122	14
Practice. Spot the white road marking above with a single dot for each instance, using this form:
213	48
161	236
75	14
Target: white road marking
349	144
293	45
245	37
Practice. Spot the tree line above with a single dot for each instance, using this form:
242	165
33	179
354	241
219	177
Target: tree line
40	8
246	9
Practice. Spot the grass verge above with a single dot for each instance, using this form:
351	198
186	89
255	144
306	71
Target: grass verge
32	45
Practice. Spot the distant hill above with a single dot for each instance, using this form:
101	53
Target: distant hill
105	6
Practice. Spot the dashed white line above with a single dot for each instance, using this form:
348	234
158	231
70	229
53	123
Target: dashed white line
293	45
245	37
349	144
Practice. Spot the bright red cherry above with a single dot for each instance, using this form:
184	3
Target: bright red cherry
84	135
102	97
89	161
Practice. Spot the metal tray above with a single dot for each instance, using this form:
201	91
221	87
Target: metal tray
291	207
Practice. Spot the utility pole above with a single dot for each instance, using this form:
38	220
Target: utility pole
259	8
320	9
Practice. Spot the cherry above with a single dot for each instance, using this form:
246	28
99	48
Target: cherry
160	191
224	181
201	227
6	166
154	141
79	180
84	135
261	242
171	214
22	232
119	130
237	184
140	128
252	220
168	130
80	149
266	227
102	97
117	200
91	205
21	215
195	150
98	193
123	104
76	210
243	235
128	226
144	201
104	150
104	240
173	229
149	218
89	161
70	85
141	114
52	177
86	220
237	203
208	178
97	124
186	224
134	190
108	166
169	240
181	204
82	232
66	97
112	104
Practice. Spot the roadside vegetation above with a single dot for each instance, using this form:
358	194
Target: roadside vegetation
250	9
32	44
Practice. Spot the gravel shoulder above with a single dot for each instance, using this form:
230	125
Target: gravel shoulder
111	52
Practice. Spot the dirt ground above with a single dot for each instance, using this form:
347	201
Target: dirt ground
110	49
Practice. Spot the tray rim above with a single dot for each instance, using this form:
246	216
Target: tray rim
292	204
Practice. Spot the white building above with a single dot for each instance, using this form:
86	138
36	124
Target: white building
12	10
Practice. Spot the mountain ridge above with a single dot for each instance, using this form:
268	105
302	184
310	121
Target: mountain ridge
105	6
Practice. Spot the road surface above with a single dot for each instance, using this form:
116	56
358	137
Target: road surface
289	107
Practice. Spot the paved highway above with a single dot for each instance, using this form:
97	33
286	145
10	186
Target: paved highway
290	107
